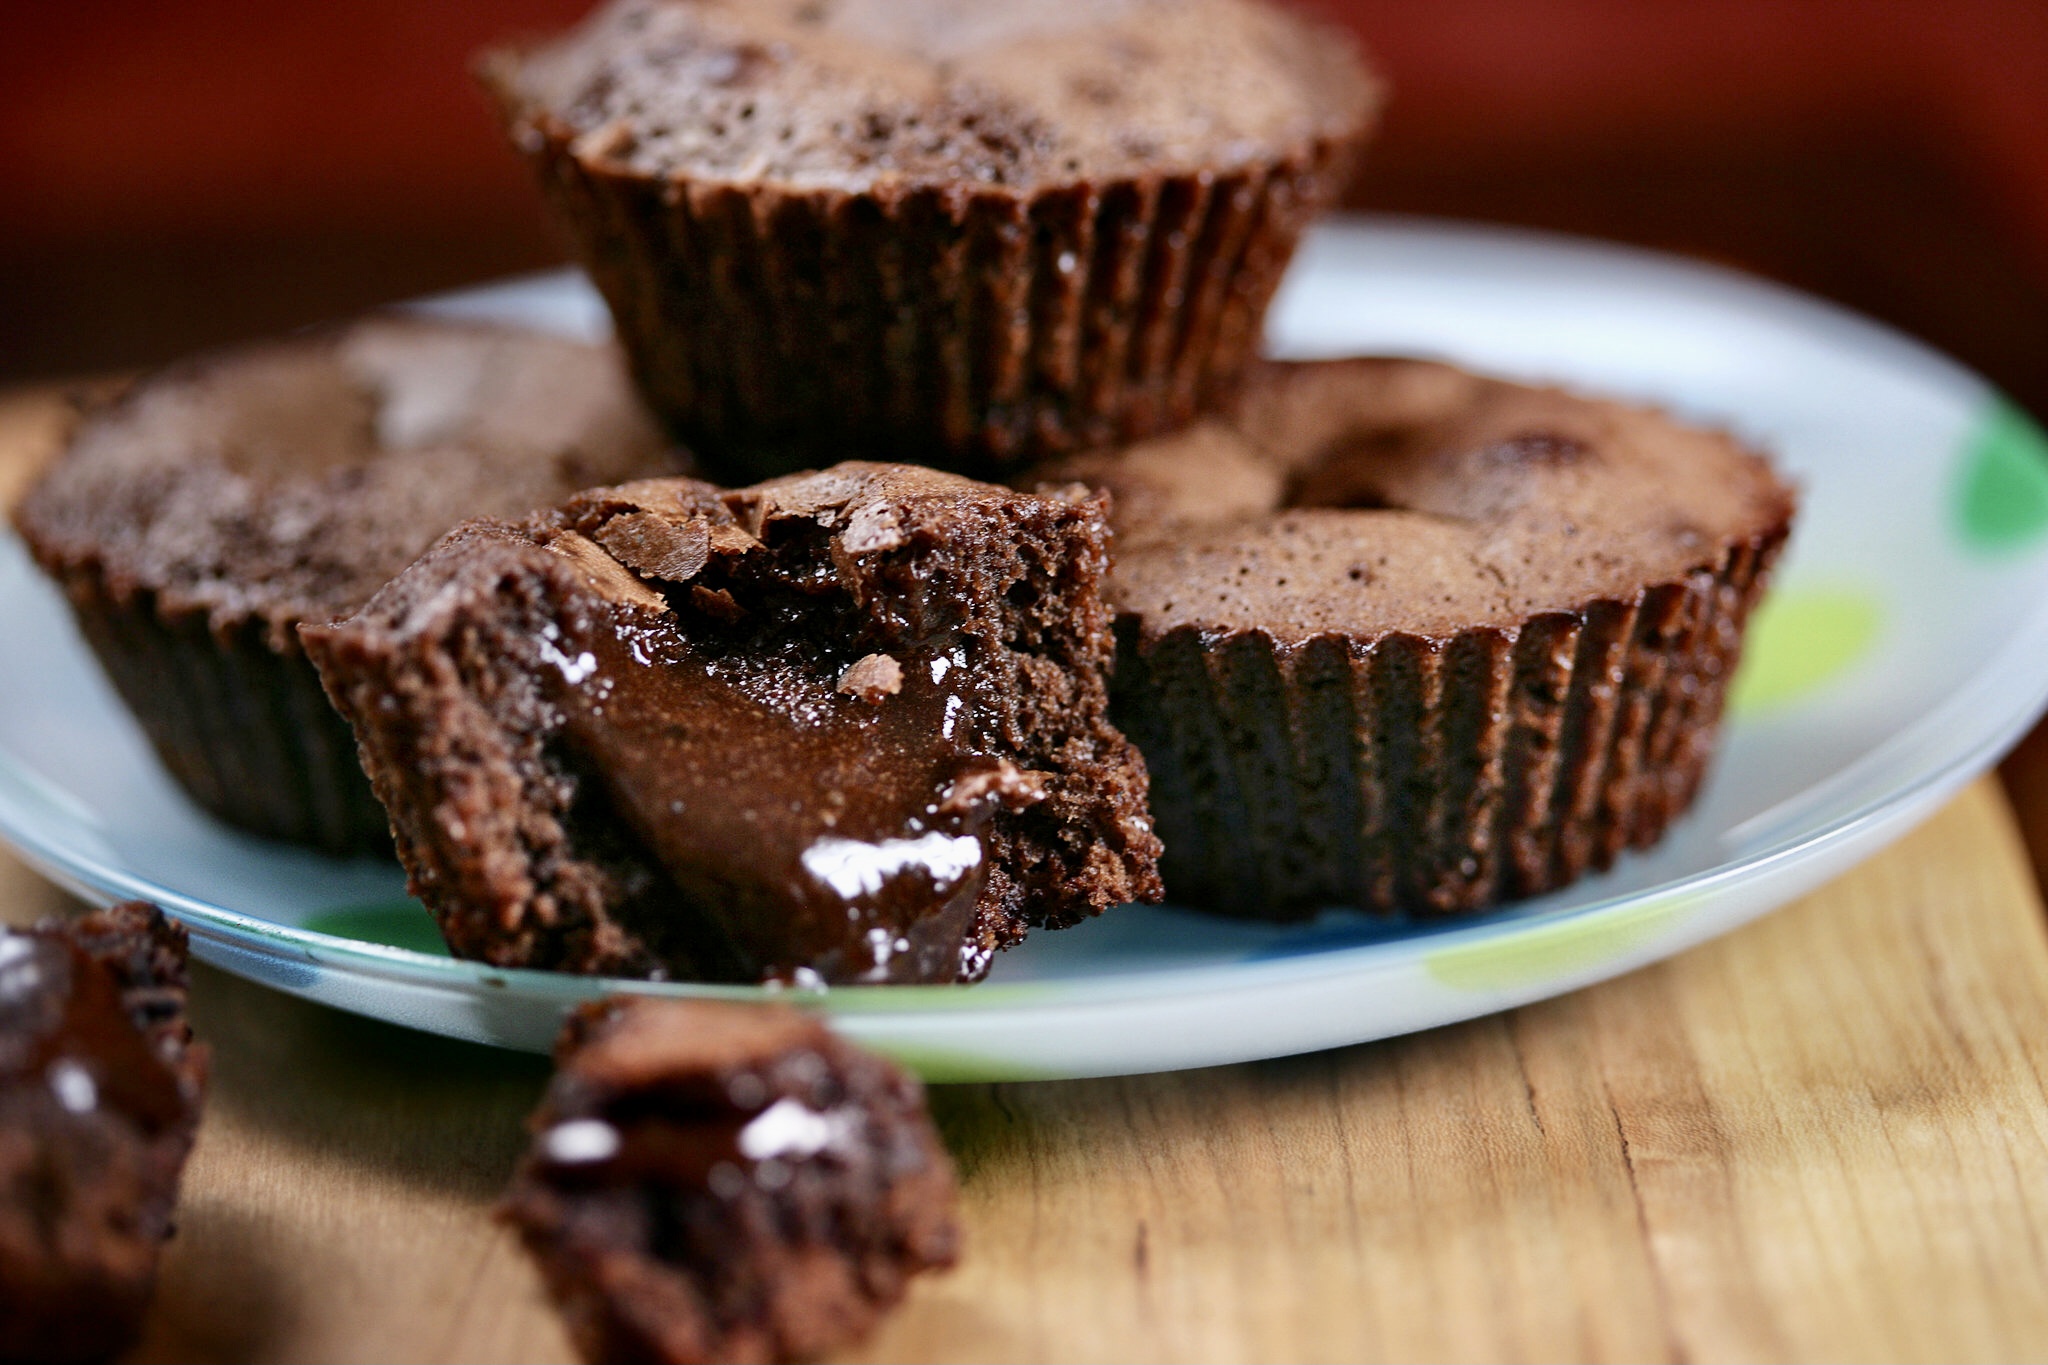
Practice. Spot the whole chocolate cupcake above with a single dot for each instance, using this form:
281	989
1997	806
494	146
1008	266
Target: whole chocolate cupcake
951	233
198	519
1400	637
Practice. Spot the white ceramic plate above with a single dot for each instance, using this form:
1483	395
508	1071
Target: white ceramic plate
1904	648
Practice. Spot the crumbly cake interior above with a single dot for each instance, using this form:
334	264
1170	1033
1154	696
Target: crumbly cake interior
849	94
719	1182
839	727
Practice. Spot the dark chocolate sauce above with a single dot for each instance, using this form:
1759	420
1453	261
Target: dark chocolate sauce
829	836
63	1025
709	1132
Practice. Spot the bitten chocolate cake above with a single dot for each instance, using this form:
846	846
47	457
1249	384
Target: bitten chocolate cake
194	523
953	233
100	1087
1401	637
845	726
727	1182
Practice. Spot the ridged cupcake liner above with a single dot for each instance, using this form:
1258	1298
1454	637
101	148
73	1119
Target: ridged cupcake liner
241	723
963	327
1431	776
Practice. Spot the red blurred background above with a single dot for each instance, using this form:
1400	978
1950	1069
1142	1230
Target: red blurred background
180	174
174	174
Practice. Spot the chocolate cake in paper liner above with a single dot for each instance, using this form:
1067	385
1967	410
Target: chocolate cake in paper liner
196	520
955	235
240	722
1399	637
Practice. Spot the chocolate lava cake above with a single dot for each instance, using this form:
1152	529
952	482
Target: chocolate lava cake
958	234
727	1182
1400	637
843	726
198	519
100	1088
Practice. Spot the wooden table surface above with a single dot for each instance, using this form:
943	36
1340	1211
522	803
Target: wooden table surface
1823	1137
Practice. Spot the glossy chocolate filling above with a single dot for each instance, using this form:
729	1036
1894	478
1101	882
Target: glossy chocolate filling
823	816
701	1132
63	1025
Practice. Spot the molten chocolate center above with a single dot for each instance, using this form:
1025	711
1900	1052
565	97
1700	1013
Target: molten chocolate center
827	822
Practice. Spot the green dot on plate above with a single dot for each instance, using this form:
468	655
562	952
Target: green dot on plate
1801	639
1546	952
2002	498
393	924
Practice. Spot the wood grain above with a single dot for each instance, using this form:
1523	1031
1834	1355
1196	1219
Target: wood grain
1821	1138
1824	1137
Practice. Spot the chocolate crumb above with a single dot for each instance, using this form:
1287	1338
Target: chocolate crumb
717	603
872	527
1007	785
872	678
